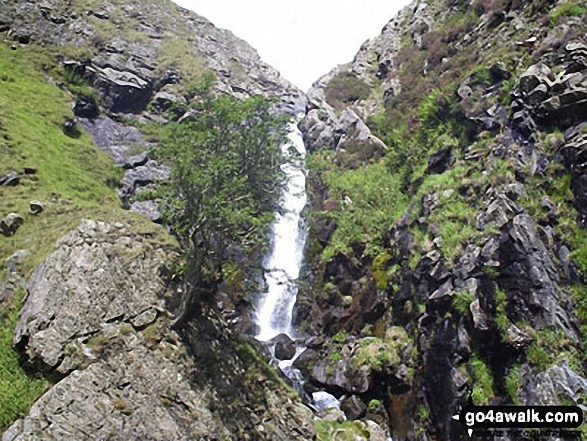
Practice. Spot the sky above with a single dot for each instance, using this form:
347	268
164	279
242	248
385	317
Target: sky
303	39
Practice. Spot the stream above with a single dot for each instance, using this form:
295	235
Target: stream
274	310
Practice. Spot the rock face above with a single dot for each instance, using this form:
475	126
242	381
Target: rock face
484	268
96	317
168	45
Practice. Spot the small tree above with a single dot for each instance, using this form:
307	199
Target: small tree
224	181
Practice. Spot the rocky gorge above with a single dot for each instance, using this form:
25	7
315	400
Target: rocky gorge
446	254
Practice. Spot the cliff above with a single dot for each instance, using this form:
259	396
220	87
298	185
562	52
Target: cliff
448	255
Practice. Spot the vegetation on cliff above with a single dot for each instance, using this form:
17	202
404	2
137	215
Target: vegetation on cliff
468	231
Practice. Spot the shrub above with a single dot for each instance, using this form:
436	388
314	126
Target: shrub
224	171
345	88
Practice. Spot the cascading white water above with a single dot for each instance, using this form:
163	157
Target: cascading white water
282	265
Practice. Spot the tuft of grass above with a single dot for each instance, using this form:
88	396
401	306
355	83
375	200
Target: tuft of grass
483	381
18	388
512	383
345	88
461	302
568	9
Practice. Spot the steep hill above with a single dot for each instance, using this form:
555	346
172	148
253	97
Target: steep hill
90	290
449	241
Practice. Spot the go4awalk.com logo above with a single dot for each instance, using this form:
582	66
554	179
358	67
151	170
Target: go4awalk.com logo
549	419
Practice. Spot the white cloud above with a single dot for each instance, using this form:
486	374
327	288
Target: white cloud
303	39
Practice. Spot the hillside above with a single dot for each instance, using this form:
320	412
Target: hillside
90	291
448	214
447	253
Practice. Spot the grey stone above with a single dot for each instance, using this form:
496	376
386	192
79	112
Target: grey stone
535	75
149	209
537	95
136	161
36	207
353	407
11	179
11	223
548	388
122	91
479	318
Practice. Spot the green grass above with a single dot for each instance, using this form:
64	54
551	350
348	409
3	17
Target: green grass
74	179
18	389
483	381
568	9
462	301
373	202
512	383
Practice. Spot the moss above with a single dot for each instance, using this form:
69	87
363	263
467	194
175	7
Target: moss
461	302
512	384
379	271
374	406
340	431
482	381
378	354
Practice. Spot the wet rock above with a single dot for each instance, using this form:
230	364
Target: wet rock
36	207
285	347
323	400
11	179
11	223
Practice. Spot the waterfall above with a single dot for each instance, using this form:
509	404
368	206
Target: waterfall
273	314
282	265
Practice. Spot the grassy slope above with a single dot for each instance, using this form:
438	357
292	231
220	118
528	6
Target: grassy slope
71	178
